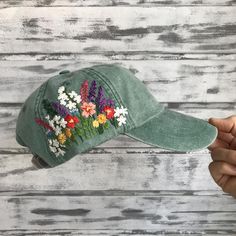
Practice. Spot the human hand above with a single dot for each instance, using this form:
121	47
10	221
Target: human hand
223	153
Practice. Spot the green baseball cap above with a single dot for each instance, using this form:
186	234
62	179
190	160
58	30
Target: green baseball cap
73	112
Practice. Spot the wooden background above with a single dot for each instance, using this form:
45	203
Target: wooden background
183	50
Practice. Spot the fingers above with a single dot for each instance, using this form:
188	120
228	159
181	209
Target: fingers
218	143
230	186
227	125
220	168
226	137
223	154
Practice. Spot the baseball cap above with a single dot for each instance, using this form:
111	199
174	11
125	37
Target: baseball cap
73	112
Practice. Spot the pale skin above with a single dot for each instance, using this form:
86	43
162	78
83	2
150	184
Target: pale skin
223	154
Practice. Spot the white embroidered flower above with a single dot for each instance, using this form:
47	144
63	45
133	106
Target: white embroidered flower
53	149
121	120
50	141
56	119
55	143
63	96
63	102
73	94
57	130
61	89
71	105
61	152
120	111
77	99
51	123
63	123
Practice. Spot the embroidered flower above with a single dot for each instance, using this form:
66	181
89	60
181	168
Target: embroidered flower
95	124
63	123
121	120
120	111
71	121
61	89
68	132
71	105
61	138
101	119
88	109
63	96
57	130
109	112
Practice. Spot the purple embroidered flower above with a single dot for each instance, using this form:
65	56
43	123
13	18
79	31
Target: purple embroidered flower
92	91
60	109
100	98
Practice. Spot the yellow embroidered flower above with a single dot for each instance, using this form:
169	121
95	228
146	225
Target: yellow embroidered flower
61	138
68	133
101	118
95	123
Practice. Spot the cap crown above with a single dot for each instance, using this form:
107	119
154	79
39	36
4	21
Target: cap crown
73	112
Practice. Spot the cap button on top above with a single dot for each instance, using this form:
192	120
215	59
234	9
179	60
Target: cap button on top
64	72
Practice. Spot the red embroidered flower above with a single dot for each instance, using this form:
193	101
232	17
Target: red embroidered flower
109	112
71	121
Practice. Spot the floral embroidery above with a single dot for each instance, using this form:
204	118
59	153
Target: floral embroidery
75	117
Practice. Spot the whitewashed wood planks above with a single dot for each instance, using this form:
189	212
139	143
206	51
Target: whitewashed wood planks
128	29
98	3
122	187
164	212
167	80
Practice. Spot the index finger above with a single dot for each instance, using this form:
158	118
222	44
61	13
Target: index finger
227	125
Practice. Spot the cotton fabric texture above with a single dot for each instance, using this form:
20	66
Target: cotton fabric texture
72	112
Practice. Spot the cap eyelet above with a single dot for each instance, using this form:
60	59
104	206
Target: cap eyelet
64	72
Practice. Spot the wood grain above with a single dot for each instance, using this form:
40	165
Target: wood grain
168	80
183	51
111	170
99	3
119	212
84	30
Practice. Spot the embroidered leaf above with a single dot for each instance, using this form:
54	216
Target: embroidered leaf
84	91
48	107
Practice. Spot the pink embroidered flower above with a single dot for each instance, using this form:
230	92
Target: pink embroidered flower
88	109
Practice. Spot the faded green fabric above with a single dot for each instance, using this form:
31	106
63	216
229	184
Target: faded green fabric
147	120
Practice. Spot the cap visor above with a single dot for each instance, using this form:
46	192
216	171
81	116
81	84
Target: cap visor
175	131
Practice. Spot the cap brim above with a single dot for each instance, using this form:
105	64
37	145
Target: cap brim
175	131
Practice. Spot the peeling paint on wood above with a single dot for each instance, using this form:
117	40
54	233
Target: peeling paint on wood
96	30
183	51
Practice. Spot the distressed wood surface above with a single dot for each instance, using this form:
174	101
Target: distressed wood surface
113	169
96	30
139	212
98	3
167	80
183	51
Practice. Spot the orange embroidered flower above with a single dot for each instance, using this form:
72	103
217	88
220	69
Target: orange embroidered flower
71	121
88	109
109	112
101	119
68	132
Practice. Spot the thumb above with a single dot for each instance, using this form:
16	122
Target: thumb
227	125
